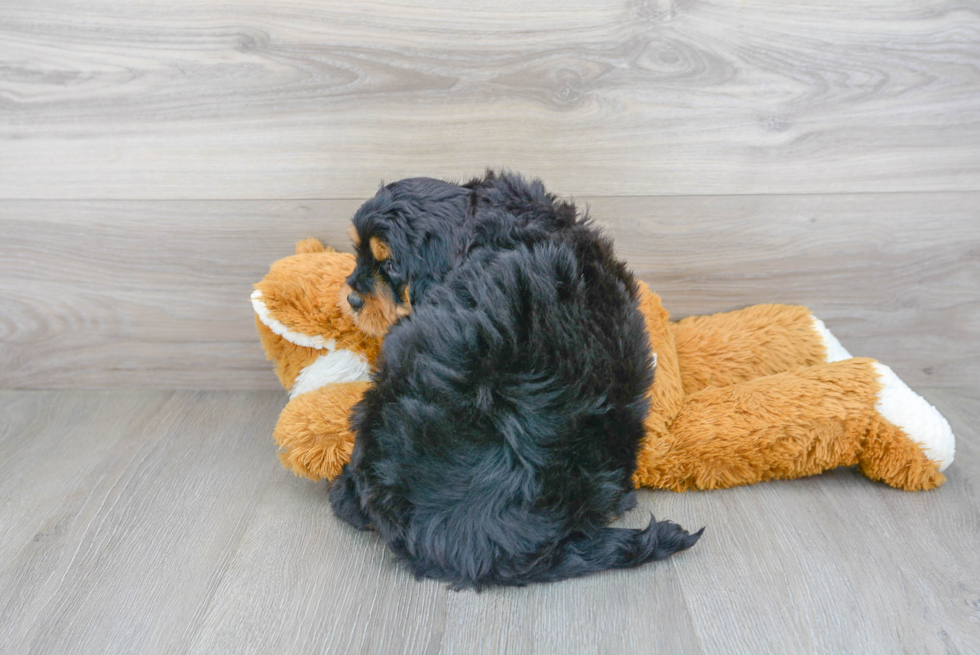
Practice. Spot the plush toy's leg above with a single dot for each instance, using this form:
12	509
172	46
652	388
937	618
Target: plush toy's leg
911	415
724	349
799	423
313	434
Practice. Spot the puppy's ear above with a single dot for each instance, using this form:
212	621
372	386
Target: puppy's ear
430	265
355	237
379	249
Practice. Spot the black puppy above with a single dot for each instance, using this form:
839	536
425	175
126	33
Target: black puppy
500	436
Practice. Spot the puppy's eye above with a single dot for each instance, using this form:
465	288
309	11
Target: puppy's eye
390	267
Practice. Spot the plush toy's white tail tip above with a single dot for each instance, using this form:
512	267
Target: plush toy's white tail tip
921	421
835	351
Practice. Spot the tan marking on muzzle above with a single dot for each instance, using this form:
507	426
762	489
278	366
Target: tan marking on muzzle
380	311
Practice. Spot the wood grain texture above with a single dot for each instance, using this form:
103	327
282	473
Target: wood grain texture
211	99
155	158
126	559
154	294
49	449
180	533
318	585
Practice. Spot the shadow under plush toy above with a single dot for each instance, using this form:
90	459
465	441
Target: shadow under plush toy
758	394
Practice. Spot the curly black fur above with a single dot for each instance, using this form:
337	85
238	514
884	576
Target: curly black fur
500	436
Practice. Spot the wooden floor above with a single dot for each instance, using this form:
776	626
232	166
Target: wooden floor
156	157
161	522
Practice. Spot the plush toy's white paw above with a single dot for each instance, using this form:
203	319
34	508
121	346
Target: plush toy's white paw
918	419
835	351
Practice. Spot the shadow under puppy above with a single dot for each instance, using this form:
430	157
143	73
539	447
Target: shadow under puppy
501	433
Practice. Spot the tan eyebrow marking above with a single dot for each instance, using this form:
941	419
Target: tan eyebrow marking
379	249
354	236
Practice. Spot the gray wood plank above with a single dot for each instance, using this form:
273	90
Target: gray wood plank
193	99
155	294
321	586
185	535
50	446
619	612
129	558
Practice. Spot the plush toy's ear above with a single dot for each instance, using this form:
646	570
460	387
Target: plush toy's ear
312	245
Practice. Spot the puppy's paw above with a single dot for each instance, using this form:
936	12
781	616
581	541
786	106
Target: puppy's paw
346	503
664	538
626	503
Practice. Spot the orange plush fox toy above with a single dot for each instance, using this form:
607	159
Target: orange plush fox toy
762	393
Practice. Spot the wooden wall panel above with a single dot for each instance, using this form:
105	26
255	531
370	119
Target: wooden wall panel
206	99
154	294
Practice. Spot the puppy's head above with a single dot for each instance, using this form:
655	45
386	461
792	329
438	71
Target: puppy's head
377	293
405	238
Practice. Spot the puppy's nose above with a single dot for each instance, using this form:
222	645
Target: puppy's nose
355	300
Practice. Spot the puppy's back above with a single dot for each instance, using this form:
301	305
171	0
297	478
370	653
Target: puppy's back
501	435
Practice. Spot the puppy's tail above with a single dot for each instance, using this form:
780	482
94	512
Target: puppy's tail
612	548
